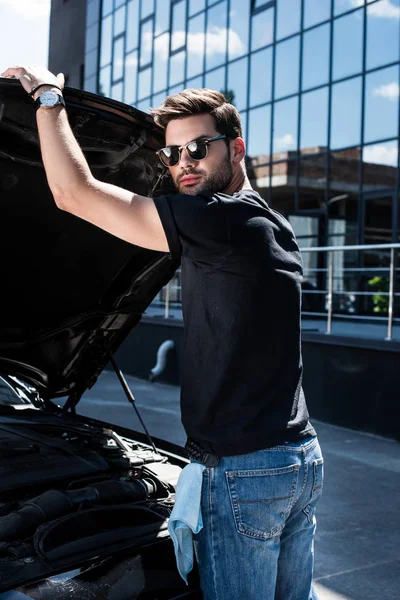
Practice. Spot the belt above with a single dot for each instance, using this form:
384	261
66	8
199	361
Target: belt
196	452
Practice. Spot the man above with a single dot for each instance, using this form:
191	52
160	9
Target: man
243	407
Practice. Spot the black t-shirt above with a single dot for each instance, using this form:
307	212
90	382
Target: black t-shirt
241	291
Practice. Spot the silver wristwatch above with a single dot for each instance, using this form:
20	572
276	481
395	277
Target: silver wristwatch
49	99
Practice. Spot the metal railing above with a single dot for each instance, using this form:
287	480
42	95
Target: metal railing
169	299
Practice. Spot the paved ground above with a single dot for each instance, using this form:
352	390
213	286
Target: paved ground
357	547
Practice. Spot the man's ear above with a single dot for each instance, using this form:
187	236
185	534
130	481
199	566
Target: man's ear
238	150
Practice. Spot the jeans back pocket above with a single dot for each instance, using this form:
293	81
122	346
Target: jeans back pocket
262	499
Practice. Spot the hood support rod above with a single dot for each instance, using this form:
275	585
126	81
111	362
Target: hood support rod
130	396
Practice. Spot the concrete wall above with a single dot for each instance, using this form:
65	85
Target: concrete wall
67	40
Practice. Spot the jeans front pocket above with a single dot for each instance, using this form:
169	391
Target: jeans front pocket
261	499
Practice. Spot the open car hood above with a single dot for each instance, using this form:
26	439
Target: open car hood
70	291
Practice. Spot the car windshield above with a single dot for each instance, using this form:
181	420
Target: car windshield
10	396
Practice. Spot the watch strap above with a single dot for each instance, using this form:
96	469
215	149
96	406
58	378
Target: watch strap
35	89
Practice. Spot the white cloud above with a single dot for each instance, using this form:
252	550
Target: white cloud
390	91
216	42
285	141
29	9
381	154
384	9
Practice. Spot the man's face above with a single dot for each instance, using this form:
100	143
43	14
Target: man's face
211	174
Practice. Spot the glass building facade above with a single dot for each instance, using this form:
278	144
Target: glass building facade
317	83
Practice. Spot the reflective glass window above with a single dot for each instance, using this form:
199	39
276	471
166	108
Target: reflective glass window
346	113
118	59
116	92
238	34
259	132
260	87
144	105
144	83
147	8
106	41
146	40
341	6
196	82
90	84
243	120
316	11
316	57
262	29
92	12
177	68
237	82
312	184
105	81
157	99
162	15
348	44
131	65
119	3
160	62
195	45
216	80
196	5
92	37
91	62
288	17
285	125
314	120
119	21
383	36
287	67
107	6
175	89
216	38
178	38
382	104
132	26
380	165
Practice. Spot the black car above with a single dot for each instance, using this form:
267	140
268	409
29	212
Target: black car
84	505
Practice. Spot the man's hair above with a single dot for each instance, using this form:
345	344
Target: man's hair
198	102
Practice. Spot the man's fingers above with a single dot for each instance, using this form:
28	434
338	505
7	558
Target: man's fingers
61	79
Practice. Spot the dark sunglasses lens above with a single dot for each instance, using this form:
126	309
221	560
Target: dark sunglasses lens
197	150
169	156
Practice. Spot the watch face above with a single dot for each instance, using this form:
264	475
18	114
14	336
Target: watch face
49	99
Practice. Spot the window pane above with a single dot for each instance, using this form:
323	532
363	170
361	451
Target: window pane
196	5
341	6
119	3
146	43
316	57
144	105
107	7
132	28
119	21
382	104
116	92
346	116
91	63
243	119
287	67
239	17
259	132
312	181
263	29
348	44
380	165
144	83
288	18
177	68
175	90
147	8
92	12
285	125
105	82
92	37
118	62
131	61
162	15
237	78
157	99
260	87
161	52
216	80
383	37
178	26
316	11
195	45
216	38
196	82
314	121
106	41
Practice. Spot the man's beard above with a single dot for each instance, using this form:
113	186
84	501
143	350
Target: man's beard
217	181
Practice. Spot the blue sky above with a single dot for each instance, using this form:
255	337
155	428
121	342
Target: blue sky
24	32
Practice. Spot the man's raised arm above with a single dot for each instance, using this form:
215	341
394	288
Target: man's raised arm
126	215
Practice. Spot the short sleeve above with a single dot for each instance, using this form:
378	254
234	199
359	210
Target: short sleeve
195	226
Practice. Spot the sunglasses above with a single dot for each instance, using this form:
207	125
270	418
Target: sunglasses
197	149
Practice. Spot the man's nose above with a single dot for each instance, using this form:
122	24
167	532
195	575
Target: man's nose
185	159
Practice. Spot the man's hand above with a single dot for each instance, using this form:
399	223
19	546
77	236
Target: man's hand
31	76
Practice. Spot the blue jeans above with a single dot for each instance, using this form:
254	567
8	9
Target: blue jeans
258	524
